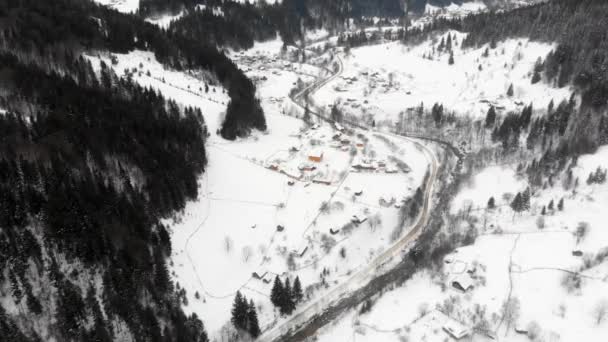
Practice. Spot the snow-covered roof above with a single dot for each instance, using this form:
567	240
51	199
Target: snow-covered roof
456	329
464	280
317	153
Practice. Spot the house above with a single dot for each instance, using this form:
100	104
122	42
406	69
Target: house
307	167
295	174
456	329
321	181
273	166
463	283
358	219
390	169
315	156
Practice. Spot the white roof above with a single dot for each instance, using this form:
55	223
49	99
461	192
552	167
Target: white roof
316	153
455	328
464	280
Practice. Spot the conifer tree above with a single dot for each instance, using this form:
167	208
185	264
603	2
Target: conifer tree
252	321
451	59
297	294
491	203
491	117
276	292
550	206
516	203
510	90
239	312
287	304
560	205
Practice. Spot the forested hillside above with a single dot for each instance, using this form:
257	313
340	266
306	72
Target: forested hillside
580	58
89	164
38	27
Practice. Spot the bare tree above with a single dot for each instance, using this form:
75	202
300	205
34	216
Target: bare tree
581	231
600	311
510	312
228	244
247	252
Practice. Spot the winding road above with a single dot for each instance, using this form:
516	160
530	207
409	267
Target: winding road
363	276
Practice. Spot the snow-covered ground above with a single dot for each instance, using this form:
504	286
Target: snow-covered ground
265	205
125	6
403	78
512	258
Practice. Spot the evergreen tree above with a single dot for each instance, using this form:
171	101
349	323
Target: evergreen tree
240	310
550	206
252	321
277	292
491	203
287	304
560	205
525	199
516	204
491	117
297	294
510	90
543	211
451	59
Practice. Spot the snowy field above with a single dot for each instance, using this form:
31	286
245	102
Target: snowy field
266	205
403	79
511	258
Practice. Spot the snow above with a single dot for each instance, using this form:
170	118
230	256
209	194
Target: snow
230	231
494	182
124	6
402	79
164	21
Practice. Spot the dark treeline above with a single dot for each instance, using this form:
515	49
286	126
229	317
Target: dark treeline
47	29
237	26
581	58
90	165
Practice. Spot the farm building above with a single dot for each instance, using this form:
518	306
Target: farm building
295	174
456	329
463	282
316	156
358	219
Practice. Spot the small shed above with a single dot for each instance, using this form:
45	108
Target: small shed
358	219
316	156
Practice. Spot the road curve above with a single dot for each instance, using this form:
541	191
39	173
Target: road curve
368	272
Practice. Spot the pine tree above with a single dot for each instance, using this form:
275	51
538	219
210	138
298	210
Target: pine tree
297	294
491	117
560	205
287	304
252	321
516	204
491	203
525	199
276	292
451	59
510	90
544	211
239	312
550	206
